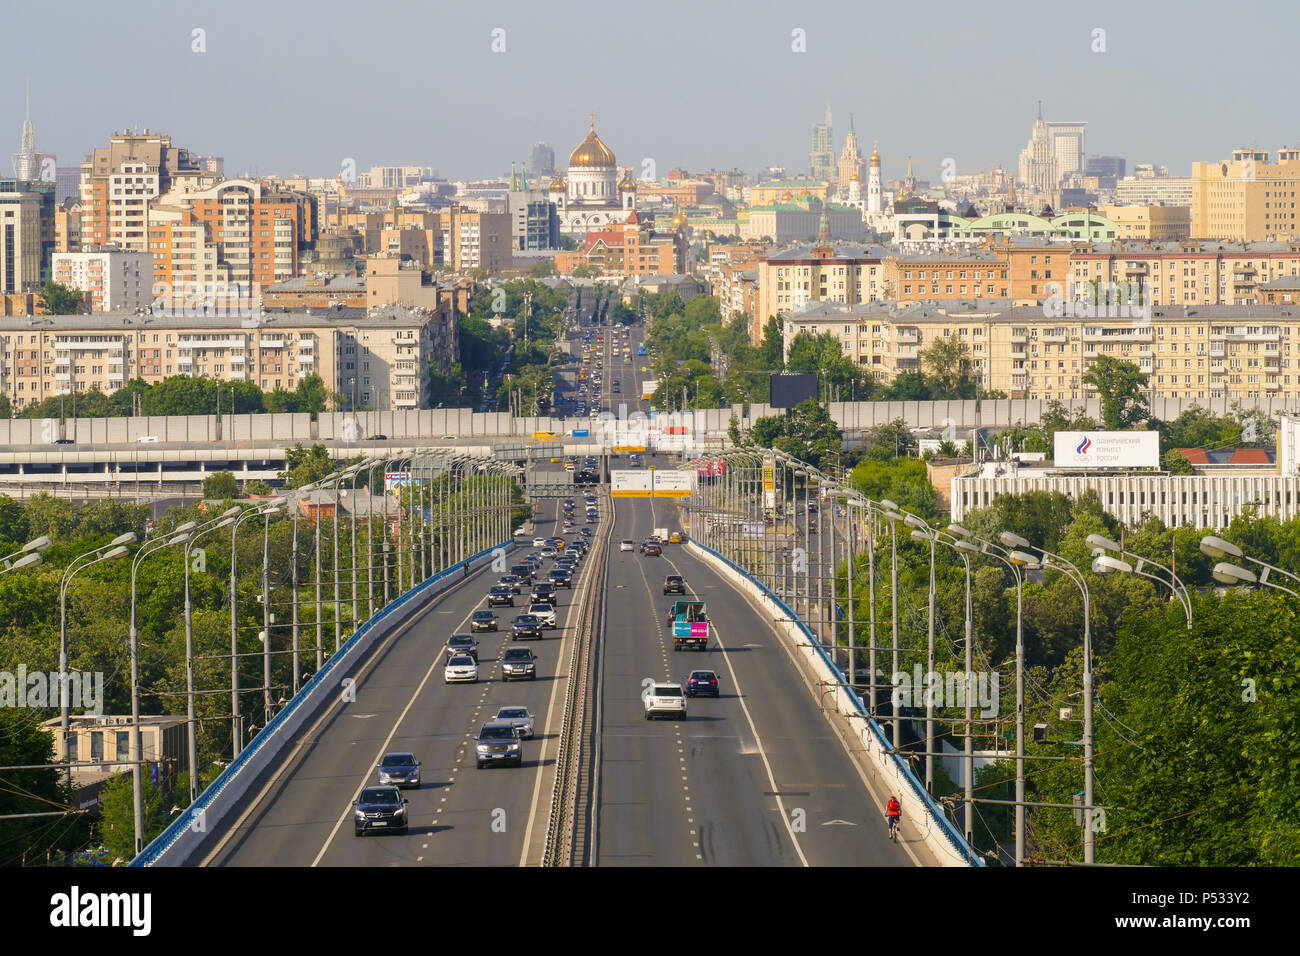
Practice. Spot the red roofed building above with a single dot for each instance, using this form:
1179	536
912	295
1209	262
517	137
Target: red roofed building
628	248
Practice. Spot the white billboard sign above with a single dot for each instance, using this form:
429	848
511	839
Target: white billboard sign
1103	449
672	484
630	484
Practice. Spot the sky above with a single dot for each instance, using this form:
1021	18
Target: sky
289	87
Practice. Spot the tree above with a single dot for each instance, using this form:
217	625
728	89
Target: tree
807	433
220	485
305	466
1176	463
889	440
1121	386
259	489
946	362
60	300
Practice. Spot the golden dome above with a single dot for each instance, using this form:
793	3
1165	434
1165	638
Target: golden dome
855	178
628	184
591	152
805	195
787	197
557	183
875	155
679	220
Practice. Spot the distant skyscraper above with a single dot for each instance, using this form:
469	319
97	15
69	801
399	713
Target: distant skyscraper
1038	159
851	163
822	157
27	164
541	161
1067	145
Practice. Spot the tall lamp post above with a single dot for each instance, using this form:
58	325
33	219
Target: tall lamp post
191	709
114	549
178	535
1103	563
236	732
1055	562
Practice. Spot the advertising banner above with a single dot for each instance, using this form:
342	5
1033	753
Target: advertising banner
1103	449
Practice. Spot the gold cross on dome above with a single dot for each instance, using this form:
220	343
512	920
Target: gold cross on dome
592	114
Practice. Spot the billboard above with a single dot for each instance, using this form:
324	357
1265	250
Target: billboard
630	484
672	484
1102	449
788	390
648	387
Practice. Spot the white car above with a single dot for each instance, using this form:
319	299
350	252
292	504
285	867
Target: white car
539	542
460	668
664	699
520	717
627	545
547	614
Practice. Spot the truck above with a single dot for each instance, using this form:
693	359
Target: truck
661	534
690	623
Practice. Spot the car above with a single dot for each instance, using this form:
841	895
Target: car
460	668
462	644
549	552
675	538
498	742
587	531
702	682
663	699
400	769
568	522
526	626
148	439
63	441
512	581
523	571
518	663
483	621
812	507
627	545
674	584
544	592
592	515
379	438
560	578
651	549
380	808
545	613
519	717
501	594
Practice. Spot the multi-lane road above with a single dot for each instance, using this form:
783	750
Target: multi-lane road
756	777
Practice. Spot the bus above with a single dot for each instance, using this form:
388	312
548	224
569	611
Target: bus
640	350
690	624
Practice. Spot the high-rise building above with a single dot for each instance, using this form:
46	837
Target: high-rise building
822	157
20	238
541	161
851	163
1248	198
120	181
1109	170
1067	147
1038	159
109	279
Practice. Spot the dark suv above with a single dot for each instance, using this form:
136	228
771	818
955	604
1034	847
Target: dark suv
501	594
483	621
560	577
673	584
544	592
462	644
518	663
380	808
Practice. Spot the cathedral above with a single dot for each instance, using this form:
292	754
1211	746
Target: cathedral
593	197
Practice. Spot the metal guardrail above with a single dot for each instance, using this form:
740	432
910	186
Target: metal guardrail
160	844
578	720
946	827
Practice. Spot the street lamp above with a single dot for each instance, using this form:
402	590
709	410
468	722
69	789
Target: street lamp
178	535
236	734
1231	574
28	556
919	524
1050	561
1103	563
114	549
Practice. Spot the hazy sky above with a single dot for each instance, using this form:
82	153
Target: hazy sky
295	87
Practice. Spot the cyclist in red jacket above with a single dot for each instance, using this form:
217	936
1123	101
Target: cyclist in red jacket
893	813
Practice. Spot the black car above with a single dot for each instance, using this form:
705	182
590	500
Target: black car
524	572
513	582
560	577
544	592
673	584
501	594
702	682
518	663
462	644
380	808
526	626
651	549
483	621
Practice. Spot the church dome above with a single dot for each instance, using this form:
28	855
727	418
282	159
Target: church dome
628	184
678	221
557	183
855	178
788	197
875	155
592	153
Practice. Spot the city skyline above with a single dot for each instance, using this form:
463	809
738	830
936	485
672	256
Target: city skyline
529	91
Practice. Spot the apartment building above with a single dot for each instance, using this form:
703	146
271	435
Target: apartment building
1034	352
110	279
975	273
1191	272
1154	191
794	279
20	238
376	358
120	181
1248	198
1149	222
67	226
628	248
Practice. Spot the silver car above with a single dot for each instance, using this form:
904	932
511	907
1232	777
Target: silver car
519	717
400	769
